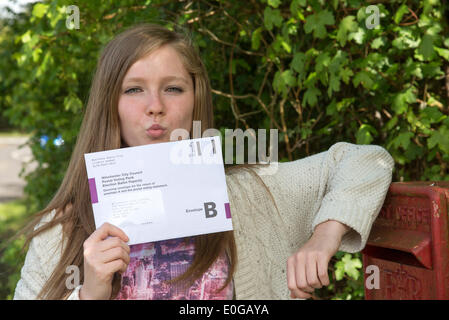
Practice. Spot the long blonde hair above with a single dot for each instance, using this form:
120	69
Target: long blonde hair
100	130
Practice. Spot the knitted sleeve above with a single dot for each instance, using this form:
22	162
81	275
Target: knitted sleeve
348	183
32	275
41	259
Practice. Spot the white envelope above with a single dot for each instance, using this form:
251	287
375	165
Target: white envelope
161	191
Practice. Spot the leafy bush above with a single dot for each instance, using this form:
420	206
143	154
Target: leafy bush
12	215
311	69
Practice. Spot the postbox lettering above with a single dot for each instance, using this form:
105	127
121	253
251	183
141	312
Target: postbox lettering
409	217
388	212
400	284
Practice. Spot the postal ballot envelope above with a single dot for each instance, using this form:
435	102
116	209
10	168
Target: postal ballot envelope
161	191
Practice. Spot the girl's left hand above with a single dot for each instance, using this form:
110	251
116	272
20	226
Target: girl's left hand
307	268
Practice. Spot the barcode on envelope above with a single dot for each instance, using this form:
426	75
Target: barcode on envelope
213	146
198	147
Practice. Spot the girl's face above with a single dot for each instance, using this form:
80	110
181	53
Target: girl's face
156	90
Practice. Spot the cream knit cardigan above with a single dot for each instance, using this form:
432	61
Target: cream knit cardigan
347	183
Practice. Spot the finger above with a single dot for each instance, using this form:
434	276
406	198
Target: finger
291	280
116	266
108	230
114	254
299	294
112	243
322	272
300	274
312	274
291	276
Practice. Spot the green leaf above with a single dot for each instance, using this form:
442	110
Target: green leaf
344	104
322	61
286	46
349	266
434	30
272	17
446	42
73	103
317	23
413	151
36	54
347	25
278	83
288	78
26	37
334	84
331	109
274	3
363	77
282	80
440	138
403	140
402	100
364	134
311	80
296	10
311	96
358	36
346	74
339	271
391	123
298	62
432	70
412	68
377	43
426	47
255	39
243	63
39	10
406	40
433	114
403	9
444	53
338	61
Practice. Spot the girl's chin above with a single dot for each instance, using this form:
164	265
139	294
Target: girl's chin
149	140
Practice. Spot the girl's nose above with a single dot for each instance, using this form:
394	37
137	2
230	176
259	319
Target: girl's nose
155	106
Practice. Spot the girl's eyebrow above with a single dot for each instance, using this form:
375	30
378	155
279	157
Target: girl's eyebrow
134	79
166	78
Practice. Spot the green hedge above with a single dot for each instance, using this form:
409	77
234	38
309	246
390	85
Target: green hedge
311	69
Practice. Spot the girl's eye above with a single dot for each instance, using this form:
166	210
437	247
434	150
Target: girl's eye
174	89
132	90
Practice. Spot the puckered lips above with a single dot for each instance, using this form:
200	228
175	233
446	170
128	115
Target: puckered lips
156	130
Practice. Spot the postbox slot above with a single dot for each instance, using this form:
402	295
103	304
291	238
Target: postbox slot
407	246
393	255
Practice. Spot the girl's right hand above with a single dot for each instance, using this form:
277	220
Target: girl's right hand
103	257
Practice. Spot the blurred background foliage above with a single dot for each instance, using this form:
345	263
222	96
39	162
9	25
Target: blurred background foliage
311	69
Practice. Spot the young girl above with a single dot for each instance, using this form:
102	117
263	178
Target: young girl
287	225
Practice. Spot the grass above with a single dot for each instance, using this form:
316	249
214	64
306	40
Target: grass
13	215
13	134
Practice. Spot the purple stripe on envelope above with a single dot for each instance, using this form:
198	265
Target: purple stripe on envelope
228	211
93	190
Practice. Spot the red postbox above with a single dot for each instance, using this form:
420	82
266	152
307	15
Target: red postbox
409	244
